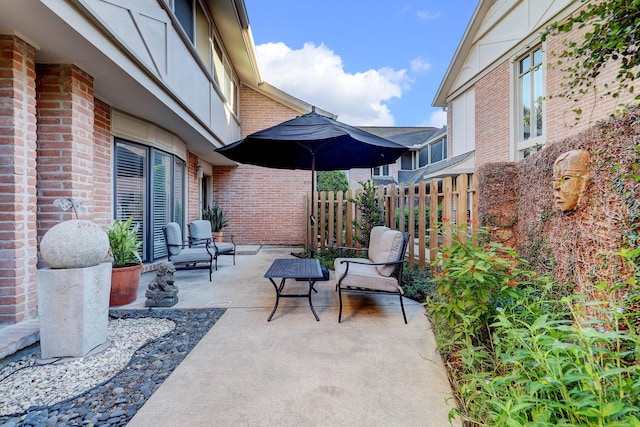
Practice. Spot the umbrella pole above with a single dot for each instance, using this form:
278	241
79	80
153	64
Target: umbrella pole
312	219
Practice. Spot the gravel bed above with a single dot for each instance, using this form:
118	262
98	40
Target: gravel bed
108	388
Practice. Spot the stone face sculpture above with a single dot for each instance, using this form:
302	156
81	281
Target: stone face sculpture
570	178
161	290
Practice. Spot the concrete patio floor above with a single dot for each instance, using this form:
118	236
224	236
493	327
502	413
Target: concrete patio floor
370	370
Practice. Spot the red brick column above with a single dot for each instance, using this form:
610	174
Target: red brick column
102	212
18	248
65	141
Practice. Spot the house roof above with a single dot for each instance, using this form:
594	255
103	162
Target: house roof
407	136
447	167
496	32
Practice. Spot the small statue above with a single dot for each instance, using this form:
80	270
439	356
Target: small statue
161	291
571	177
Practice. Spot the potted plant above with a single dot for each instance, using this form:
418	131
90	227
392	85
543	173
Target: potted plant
127	263
218	219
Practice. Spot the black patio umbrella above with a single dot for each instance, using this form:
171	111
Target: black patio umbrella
314	142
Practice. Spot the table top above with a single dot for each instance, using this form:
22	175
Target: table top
299	268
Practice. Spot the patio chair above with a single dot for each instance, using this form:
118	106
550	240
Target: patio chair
200	235
182	255
380	273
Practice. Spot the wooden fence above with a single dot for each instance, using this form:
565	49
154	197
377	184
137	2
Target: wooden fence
446	203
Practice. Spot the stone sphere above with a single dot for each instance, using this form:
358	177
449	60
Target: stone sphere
74	244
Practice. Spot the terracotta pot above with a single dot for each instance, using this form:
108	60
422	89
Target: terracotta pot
217	236
124	284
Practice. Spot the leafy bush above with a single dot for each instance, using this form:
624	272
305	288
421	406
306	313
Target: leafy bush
522	352
332	181
417	283
471	279
371	209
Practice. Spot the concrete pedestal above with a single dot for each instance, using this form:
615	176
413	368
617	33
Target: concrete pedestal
73	308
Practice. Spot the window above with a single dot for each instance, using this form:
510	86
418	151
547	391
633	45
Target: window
530	105
184	12
438	151
149	184
203	36
381	171
196	22
433	153
406	161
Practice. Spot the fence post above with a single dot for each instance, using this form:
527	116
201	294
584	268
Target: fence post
461	185
411	193
349	219
434	225
339	218
475	220
391	198
422	224
331	223
447	210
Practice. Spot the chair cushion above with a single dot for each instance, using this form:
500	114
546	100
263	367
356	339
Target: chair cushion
388	251
199	232
174	238
374	240
364	276
191	255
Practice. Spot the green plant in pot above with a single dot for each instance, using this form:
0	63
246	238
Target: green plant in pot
216	216
127	263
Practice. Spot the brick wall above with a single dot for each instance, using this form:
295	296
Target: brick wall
492	110
102	165
18	249
561	119
65	140
264	206
193	188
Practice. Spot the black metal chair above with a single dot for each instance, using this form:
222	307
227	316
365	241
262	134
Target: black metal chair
200	235
182	255
381	273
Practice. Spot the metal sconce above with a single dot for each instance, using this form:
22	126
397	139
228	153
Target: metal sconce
199	171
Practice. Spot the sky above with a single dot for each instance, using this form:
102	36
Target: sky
371	62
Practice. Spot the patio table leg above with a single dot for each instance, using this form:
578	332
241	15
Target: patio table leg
279	294
278	289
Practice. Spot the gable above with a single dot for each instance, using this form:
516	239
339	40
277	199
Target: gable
497	30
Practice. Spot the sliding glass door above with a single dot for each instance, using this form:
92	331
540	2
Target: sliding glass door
149	184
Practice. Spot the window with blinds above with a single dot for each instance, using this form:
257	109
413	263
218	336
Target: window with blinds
149	185
130	196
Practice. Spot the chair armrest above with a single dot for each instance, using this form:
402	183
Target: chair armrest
224	236
350	261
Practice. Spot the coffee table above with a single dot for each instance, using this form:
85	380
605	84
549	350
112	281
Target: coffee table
294	268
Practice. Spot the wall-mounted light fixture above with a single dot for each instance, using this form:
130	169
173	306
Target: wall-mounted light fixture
199	171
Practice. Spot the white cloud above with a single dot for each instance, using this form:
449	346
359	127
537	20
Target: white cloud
426	15
419	65
315	74
437	119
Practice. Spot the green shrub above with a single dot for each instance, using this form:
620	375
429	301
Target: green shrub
417	283
371	212
333	181
471	279
527	354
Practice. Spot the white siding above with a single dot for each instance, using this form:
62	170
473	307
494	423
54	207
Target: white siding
464	122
